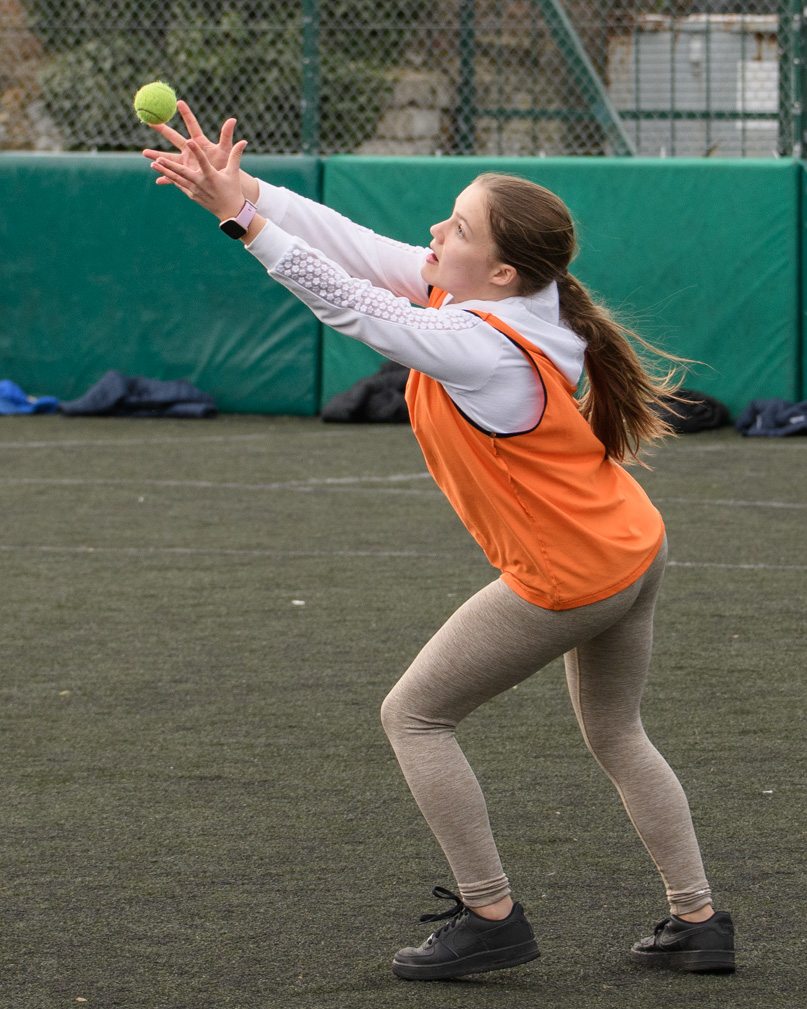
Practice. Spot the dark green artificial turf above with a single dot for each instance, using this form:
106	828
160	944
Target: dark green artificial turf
200	807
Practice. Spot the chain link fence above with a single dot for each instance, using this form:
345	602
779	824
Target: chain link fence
411	77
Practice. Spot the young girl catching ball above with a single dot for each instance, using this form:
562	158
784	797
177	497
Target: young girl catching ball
501	340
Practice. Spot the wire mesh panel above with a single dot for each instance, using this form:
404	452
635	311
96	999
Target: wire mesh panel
700	84
504	77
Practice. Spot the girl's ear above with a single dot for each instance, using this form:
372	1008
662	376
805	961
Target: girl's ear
504	275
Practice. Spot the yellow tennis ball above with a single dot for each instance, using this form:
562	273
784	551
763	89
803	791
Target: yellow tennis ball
155	102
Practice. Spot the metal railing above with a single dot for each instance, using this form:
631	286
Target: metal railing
503	77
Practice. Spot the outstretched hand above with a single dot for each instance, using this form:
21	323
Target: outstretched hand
216	189
216	153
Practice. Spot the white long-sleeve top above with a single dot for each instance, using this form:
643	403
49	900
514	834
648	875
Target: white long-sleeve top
365	286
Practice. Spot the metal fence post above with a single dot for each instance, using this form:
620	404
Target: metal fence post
799	99
800	95
791	78
465	115
310	97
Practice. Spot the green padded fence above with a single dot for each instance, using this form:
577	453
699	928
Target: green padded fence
100	268
802	301
701	256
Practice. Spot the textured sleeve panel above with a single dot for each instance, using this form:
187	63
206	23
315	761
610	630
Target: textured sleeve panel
451	345
485	374
360	251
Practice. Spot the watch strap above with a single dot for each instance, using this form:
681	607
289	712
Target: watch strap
236	227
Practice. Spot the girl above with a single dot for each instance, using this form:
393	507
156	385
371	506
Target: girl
535	475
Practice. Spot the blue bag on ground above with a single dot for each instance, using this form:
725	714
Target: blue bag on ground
14	400
772	418
119	395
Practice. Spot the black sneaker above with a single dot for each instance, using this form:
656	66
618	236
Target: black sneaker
467	944
704	947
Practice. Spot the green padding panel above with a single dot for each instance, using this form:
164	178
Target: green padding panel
700	256
803	299
101	268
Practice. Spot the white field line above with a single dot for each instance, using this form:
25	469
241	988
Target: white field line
737	567
338	483
219	551
113	442
310	484
729	502
189	440
327	431
796	442
395	554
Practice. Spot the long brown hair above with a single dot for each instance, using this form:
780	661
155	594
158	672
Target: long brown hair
534	232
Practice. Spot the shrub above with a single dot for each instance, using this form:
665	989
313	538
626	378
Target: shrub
239	58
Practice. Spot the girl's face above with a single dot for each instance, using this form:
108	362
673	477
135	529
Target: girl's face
463	259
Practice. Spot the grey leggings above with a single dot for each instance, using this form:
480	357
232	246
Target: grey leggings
496	640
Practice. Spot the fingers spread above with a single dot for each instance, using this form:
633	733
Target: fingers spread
190	120
153	155
170	134
226	135
178	174
201	158
234	160
175	138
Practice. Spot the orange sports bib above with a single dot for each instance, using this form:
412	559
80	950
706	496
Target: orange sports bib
564	525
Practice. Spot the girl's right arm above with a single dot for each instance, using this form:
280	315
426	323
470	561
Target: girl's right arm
364	254
361	252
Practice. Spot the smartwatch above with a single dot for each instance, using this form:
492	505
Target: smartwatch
236	227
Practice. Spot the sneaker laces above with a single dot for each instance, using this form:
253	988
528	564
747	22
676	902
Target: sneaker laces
455	913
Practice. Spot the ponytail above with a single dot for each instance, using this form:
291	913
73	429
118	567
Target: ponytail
621	389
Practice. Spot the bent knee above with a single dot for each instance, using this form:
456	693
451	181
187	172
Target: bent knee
389	713
396	713
401	714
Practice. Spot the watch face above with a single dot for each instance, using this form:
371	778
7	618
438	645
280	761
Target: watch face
232	228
